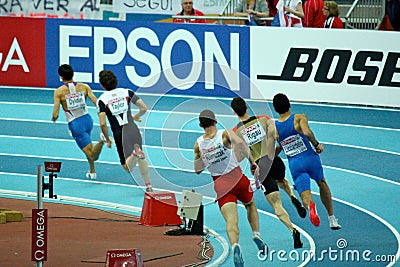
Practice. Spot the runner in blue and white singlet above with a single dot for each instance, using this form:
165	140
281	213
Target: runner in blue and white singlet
71	96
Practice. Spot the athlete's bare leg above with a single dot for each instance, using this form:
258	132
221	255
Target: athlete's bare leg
252	215
230	214
285	185
274	199
92	154
326	196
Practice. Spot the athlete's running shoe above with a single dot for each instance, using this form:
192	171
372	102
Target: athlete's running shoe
91	175
296	239
237	256
333	223
137	152
262	247
300	209
314	218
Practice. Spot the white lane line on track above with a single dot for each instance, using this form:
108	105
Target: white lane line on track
173	148
190	170
305	103
363	174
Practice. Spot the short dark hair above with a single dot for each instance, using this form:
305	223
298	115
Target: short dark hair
281	103
239	106
207	118
66	72
108	79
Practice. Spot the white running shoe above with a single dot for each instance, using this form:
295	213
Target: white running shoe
91	176
333	223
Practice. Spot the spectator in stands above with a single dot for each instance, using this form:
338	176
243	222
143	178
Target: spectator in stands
393	12
313	14
188	10
254	10
272	9
331	11
290	14
391	20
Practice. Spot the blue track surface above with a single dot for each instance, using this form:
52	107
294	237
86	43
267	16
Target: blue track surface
361	160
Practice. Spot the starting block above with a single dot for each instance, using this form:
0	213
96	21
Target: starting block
124	258
159	208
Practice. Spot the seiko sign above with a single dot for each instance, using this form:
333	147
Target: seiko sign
334	65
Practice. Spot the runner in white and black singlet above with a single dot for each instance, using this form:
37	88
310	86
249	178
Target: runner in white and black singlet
115	104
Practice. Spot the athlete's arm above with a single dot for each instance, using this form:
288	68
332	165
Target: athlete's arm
278	148
271	139
305	129
240	148
142	109
56	108
199	165
104	128
90	94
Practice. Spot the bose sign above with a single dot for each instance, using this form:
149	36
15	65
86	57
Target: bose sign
155	57
339	66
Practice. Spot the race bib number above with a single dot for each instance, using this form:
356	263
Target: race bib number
214	154
75	100
253	134
293	145
118	106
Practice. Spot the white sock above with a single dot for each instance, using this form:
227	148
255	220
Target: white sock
234	245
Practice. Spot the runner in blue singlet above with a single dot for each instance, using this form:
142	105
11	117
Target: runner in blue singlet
294	136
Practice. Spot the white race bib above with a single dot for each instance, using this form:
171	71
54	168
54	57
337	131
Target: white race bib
293	145
214	155
75	100
253	134
118	106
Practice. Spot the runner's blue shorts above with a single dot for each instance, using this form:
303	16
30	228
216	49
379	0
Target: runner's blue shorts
81	129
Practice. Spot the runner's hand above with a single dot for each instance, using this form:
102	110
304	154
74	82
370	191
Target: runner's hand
255	170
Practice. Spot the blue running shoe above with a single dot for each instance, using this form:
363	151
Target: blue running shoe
237	256
262	247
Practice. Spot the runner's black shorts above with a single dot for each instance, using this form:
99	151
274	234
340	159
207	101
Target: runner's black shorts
270	172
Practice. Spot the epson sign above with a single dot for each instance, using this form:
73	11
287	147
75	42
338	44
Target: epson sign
147	55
